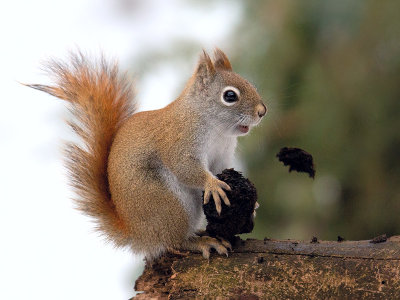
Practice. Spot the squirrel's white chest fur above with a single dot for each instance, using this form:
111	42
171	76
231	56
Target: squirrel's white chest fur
219	151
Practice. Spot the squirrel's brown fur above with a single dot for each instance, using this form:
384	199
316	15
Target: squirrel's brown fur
141	175
101	101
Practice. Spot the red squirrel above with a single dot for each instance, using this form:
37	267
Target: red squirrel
140	175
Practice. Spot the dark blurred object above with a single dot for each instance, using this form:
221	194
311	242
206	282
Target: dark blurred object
297	160
238	217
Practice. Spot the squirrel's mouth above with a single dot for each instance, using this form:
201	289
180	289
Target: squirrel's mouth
243	129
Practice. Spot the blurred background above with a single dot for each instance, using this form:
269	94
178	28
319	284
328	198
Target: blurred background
329	72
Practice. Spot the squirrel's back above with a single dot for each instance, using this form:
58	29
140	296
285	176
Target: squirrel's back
101	101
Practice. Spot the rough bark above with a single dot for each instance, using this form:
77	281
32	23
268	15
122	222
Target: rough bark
280	270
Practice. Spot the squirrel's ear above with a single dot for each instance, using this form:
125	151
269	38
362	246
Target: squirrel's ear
221	60
205	69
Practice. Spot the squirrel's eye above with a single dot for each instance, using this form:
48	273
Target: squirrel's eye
230	95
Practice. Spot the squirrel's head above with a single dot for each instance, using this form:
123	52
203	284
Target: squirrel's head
230	102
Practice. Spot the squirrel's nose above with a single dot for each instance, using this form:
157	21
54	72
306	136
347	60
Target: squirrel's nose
261	110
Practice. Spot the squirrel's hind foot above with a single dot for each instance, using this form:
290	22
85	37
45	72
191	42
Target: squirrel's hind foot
204	244
176	252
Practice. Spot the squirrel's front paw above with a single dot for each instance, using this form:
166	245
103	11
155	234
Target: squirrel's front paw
215	188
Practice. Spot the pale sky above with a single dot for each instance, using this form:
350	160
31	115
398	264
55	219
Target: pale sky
48	249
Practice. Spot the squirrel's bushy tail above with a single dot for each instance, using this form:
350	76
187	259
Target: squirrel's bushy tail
101	101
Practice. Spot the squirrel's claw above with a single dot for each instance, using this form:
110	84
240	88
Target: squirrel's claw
224	185
224	197
207	195
204	244
215	188
217	202
225	243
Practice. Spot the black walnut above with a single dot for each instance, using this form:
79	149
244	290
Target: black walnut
238	217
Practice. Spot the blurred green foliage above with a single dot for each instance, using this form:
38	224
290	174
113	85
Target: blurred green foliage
329	72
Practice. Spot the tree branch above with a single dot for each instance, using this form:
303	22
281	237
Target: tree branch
280	269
